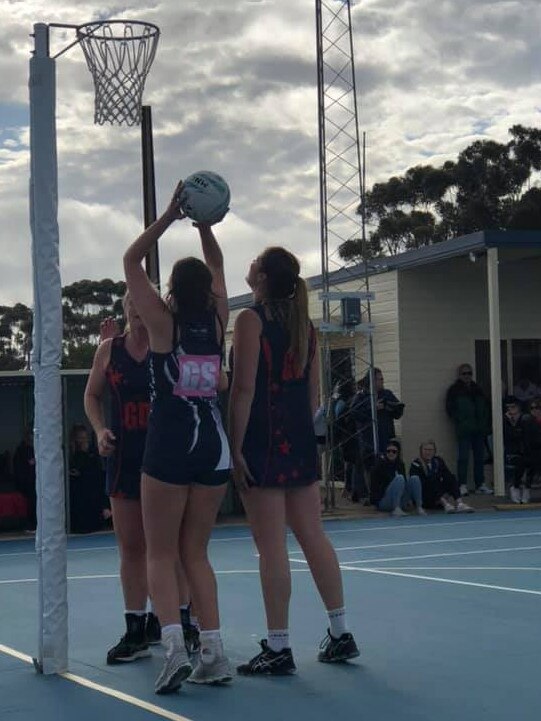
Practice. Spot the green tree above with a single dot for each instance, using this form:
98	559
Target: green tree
489	186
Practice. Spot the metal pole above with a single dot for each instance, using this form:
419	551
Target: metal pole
152	260
495	370
326	391
52	655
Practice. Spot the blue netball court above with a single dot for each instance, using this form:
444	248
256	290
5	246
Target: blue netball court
447	611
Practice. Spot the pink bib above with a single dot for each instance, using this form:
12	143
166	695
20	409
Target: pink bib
198	375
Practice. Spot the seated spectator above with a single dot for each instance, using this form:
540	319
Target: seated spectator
525	391
522	449
390	489
388	409
89	506
440	487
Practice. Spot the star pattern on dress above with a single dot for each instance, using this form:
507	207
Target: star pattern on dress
285	448
115	377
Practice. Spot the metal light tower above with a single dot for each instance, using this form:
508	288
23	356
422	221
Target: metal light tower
341	196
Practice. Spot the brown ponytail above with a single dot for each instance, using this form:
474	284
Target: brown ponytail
287	300
299	325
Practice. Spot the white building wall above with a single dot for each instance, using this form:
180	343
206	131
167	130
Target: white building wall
443	311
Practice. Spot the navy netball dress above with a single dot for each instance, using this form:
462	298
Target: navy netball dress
280	444
186	442
129	385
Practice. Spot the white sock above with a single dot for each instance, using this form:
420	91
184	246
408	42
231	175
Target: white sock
278	640
135	613
172	637
211	645
150	606
337	620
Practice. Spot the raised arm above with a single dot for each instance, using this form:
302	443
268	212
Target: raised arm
214	259
153	311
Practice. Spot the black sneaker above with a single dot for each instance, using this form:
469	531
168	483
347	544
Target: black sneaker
269	662
336	650
128	649
153	630
191	638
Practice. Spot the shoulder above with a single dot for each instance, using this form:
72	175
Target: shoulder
248	320
103	353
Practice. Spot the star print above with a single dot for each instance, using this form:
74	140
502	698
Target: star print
115	378
284	447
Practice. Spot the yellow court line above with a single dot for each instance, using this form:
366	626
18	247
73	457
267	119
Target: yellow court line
118	695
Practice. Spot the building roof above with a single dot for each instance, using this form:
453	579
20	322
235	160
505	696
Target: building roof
455	247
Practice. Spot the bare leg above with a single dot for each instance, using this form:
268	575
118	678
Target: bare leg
163	508
128	526
304	518
266	512
201	510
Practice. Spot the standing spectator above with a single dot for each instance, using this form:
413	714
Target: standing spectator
390	489
522	448
88	503
469	410
24	466
346	438
440	486
388	410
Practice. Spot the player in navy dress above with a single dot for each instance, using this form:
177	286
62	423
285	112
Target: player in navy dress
274	397
186	461
121	366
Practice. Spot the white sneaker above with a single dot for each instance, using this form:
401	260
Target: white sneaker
398	513
212	670
463	489
447	507
514	494
462	507
176	666
526	495
421	511
484	490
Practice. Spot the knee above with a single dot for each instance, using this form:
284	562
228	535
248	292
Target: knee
399	481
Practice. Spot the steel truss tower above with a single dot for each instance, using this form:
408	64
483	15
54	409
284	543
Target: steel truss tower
342	217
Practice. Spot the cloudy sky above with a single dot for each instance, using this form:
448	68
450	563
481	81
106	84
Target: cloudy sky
233	89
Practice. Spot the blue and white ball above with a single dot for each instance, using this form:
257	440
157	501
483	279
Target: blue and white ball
205	197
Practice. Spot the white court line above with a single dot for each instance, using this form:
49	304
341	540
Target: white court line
443	555
457	568
118	695
418	577
437	579
233	572
435	540
367	529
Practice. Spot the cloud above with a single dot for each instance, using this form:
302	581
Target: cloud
233	89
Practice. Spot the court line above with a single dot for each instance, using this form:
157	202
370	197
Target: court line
396	526
444	555
10	581
435	540
458	568
105	690
437	579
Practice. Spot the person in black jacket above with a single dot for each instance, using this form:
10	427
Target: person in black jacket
390	489
388	410
24	467
522	448
440	486
469	409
